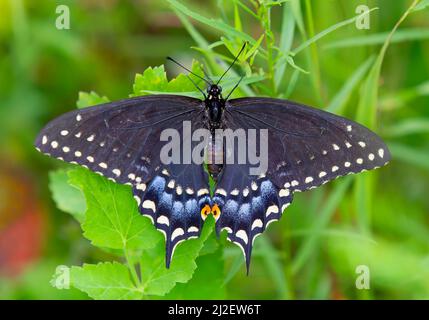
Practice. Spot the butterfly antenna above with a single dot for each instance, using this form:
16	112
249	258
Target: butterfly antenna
196	86
181	65
207	75
235	87
235	59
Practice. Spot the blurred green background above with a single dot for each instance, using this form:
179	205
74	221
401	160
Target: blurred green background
380	221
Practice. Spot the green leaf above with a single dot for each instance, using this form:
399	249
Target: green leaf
237	20
251	53
107	281
216	24
192	94
229	82
112	219
67	198
207	281
90	99
297	13
152	79
274	3
144	83
246	9
291	61
156	279
155	80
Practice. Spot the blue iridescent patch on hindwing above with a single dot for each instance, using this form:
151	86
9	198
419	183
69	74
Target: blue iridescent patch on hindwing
248	209
173	208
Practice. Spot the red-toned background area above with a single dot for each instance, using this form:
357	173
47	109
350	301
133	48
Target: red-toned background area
22	222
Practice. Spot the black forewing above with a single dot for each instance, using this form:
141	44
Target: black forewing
307	146
117	139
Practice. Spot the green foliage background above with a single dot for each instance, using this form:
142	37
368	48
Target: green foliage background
309	51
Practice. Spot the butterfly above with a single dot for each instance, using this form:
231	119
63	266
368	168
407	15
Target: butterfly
306	147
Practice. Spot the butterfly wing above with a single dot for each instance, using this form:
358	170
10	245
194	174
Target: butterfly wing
306	148
121	141
248	204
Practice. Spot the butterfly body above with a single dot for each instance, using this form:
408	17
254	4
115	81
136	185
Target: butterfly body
214	106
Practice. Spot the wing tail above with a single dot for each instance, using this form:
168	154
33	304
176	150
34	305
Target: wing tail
247	207
174	203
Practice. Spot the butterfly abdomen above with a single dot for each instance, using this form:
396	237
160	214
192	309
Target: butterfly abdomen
214	170
215	156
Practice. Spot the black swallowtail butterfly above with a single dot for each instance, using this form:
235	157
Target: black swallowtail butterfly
307	147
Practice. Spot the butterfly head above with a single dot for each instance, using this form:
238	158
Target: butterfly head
214	92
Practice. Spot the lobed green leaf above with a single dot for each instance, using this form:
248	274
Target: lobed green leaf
156	279
87	99
67	197
105	281
155	80
112	218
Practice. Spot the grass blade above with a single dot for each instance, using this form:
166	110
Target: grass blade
236	265
401	99
313	54
339	101
329	30
286	39
410	155
412	34
311	243
274	267
213	23
198	38
292	83
366	115
406	127
422	5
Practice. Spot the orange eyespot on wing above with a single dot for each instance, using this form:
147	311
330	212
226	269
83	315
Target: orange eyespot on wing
205	211
216	211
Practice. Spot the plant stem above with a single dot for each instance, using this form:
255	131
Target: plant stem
265	18
132	268
314	57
